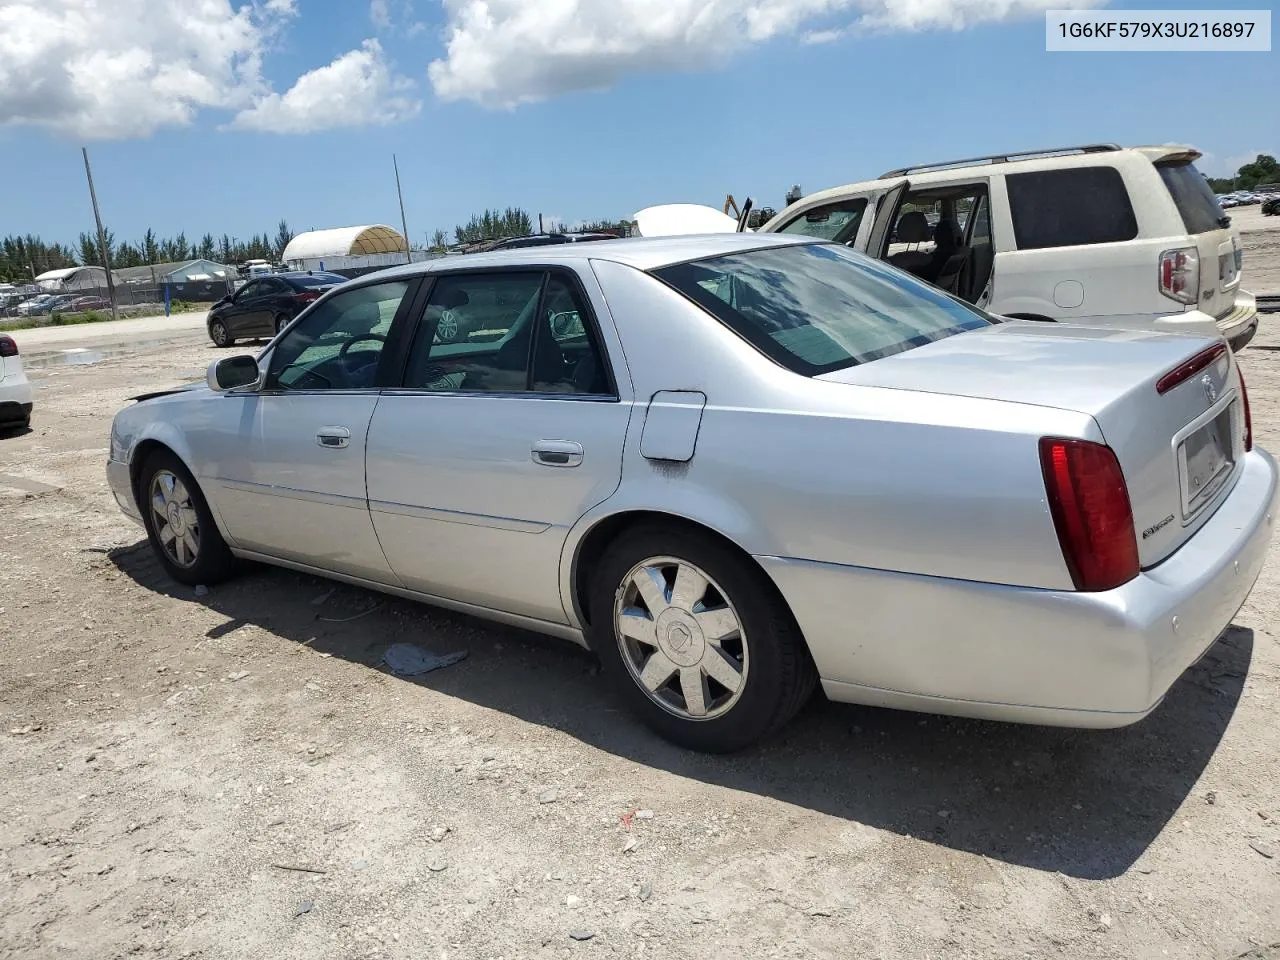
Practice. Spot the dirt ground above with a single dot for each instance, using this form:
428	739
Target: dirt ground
234	775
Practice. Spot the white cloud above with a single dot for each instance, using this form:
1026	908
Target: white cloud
122	68
356	89
501	53
380	14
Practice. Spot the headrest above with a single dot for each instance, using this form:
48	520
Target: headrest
913	228
452	298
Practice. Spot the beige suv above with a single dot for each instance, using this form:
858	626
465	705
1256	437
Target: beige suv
1097	235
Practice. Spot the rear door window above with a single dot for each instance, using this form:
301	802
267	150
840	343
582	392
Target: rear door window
1192	196
1070	207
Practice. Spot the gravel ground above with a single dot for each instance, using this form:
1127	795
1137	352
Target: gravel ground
234	775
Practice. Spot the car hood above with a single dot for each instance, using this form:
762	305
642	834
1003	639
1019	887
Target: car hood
1044	364
185	388
682	219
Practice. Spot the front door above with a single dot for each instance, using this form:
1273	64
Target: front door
498	442
245	317
289	476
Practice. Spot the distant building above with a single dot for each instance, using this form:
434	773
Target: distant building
184	271
70	279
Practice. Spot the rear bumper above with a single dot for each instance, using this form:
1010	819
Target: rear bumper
1240	324
121	484
1027	655
12	411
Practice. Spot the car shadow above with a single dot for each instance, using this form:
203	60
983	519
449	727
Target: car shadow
1083	803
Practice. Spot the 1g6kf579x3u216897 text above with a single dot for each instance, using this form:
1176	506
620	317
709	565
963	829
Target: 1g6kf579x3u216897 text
1121	31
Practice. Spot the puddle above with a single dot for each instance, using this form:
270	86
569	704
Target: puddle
48	360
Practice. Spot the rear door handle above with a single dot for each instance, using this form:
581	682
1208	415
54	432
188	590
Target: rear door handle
335	438
557	453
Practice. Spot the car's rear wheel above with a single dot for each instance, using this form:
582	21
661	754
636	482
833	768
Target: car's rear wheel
219	334
697	640
179	523
281	322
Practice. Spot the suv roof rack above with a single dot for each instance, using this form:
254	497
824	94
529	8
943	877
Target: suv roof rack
1004	158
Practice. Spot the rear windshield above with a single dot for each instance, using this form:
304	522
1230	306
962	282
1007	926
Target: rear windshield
815	308
1193	198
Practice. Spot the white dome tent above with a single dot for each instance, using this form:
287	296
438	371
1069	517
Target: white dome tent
365	246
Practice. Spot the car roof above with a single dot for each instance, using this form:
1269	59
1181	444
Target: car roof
643	253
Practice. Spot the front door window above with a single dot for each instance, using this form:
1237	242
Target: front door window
338	344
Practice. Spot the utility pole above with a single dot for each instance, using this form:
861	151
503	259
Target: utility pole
102	236
404	224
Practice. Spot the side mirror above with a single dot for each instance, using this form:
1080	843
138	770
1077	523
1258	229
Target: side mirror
232	372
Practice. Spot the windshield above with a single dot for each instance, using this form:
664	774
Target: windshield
1192	196
815	308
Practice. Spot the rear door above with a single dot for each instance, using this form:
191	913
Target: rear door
1210	228
498	443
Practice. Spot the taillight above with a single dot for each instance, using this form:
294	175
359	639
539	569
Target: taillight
8	347
1089	503
1180	274
306	296
1185	371
1248	418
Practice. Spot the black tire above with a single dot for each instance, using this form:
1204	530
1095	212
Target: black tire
281	322
213	561
781	675
219	334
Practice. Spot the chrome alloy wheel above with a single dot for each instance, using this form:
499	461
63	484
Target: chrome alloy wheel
681	639
447	326
176	521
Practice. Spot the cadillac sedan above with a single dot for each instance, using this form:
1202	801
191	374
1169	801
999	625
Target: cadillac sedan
735	467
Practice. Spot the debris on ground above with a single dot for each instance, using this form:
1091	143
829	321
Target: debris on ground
306	906
1264	849
354	616
581	935
408	660
298	868
548	796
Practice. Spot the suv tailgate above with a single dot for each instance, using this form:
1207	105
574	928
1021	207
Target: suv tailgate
1216	243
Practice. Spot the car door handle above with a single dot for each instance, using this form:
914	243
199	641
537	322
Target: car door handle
557	453
333	437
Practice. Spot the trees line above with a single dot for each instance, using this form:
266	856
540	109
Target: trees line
24	257
1263	169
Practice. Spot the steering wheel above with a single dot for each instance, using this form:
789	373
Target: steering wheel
342	351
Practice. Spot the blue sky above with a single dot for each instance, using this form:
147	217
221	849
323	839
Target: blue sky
747	106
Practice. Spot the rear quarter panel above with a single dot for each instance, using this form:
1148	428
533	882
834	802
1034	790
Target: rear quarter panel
793	467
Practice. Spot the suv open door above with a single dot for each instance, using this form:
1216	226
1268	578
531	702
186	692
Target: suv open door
857	214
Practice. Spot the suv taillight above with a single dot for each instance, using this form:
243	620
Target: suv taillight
1180	274
1248	418
8	347
1090	506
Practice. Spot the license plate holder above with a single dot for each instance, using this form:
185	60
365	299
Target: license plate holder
1205	461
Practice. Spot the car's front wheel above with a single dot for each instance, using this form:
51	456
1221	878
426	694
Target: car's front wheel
219	334
697	640
282	321
179	523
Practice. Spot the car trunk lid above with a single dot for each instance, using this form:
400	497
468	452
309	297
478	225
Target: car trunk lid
1178	443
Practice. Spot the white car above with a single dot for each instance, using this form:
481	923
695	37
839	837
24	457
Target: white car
1097	235
15	390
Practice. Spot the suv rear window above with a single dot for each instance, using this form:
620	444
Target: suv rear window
1070	207
1193	198
814	308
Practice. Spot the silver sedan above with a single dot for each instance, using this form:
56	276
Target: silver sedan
735	467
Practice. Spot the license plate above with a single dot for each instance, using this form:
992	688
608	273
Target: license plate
1204	462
